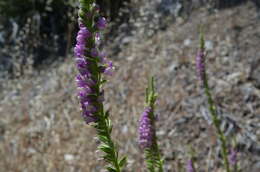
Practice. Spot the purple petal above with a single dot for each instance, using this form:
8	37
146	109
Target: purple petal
101	23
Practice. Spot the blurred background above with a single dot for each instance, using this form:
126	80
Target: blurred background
40	123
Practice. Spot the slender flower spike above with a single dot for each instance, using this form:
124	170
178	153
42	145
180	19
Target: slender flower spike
200	65
145	129
233	157
89	65
200	61
201	70
92	66
189	167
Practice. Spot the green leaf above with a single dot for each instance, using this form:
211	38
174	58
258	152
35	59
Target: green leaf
123	161
146	95
110	129
111	169
105	148
101	132
109	158
116	153
202	40
107	114
152	84
103	81
103	139
108	122
109	125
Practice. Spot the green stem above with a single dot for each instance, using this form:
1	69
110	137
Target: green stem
104	129
217	123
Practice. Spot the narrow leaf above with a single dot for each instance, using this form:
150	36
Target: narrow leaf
123	161
111	169
105	148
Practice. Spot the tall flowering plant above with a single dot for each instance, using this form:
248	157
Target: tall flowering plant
147	132
202	75
92	67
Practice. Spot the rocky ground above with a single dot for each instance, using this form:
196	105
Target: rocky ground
41	127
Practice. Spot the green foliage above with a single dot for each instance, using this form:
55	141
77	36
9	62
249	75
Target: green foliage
104	129
153	161
150	93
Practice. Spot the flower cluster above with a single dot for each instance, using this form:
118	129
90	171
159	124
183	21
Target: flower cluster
233	157
189	166
145	129
91	64
200	60
200	64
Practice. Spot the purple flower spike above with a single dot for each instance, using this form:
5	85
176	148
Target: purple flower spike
233	157
200	65
145	130
189	167
87	55
101	23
